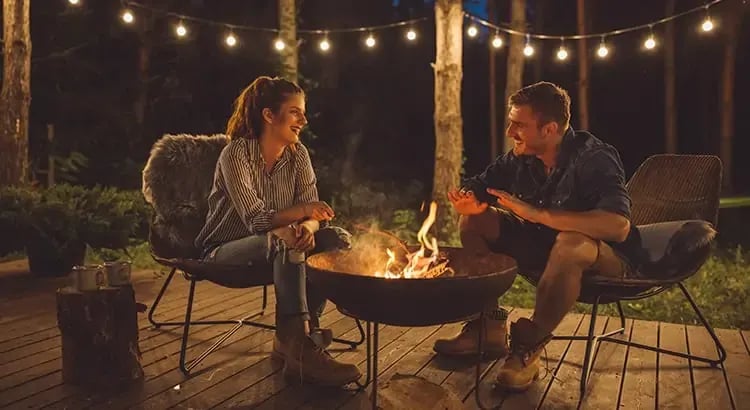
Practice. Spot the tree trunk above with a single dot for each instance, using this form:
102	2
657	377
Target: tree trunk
448	121
15	96
288	34
494	141
99	334
539	26
670	104
583	69
514	78
732	25
141	101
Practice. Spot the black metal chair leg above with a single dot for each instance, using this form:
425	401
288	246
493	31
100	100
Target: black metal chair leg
719	347
186	329
353	343
158	299
591	342
622	317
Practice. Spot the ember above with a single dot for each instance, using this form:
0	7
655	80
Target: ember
418	264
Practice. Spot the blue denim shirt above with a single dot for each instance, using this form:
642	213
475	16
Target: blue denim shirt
588	175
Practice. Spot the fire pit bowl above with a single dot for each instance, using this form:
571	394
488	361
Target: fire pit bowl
347	279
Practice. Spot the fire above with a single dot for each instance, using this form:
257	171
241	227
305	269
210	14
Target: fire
418	264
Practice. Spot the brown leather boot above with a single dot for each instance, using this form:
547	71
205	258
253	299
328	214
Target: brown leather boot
306	362
467	341
521	369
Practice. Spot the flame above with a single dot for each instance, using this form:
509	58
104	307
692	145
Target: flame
417	263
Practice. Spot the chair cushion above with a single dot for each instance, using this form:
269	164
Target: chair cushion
674	248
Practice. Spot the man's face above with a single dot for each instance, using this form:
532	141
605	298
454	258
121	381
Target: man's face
523	129
290	120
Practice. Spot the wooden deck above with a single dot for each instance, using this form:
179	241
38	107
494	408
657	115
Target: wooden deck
242	374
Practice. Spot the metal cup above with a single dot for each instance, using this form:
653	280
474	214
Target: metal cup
118	272
88	277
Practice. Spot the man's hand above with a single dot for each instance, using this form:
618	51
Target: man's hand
320	211
305	238
515	205
466	203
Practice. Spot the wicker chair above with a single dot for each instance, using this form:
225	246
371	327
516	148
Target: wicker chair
664	188
176	181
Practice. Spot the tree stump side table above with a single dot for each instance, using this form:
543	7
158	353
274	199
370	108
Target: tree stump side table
99	331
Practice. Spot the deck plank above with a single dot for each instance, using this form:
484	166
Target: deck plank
606	377
737	366
639	384
711	390
675	386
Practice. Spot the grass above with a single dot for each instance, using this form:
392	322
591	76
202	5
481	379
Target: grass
721	290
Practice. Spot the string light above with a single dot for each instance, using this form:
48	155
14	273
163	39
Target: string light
562	53
528	50
180	30
324	45
603	51
370	41
650	42
497	41
411	35
128	17
230	40
74	2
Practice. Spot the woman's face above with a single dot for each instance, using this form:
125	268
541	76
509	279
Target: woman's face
289	121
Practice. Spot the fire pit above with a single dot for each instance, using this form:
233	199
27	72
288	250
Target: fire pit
387	282
453	297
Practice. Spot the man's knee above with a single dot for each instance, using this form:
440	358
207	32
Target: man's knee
576	248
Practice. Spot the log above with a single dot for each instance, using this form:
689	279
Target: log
99	331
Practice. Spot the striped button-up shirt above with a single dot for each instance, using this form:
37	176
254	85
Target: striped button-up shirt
245	197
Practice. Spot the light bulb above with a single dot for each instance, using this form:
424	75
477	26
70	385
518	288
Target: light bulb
707	25
603	51
279	44
472	31
74	2
562	54
325	45
180	30
370	41
411	35
497	42
127	16
528	51
650	43
231	40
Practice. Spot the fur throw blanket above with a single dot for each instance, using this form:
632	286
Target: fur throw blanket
176	182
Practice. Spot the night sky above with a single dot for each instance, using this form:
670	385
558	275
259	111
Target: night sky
84	80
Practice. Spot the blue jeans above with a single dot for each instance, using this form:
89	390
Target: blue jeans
294	294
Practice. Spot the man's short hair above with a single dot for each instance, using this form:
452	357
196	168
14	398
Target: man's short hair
548	101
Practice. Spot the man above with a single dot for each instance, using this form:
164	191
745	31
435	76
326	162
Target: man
557	204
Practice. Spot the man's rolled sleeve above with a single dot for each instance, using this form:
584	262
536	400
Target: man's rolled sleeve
494	176
603	180
250	207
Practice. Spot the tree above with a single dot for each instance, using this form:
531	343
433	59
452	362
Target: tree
15	96
583	68
514	78
670	104
732	22
288	34
447	117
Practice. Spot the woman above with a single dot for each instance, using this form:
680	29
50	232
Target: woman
264	206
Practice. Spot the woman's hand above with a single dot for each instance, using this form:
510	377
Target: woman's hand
305	238
320	211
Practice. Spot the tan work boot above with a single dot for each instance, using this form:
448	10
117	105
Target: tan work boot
307	362
467	341
521	369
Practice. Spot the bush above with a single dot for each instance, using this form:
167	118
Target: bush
721	289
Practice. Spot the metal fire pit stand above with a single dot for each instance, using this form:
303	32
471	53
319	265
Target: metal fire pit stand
371	374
